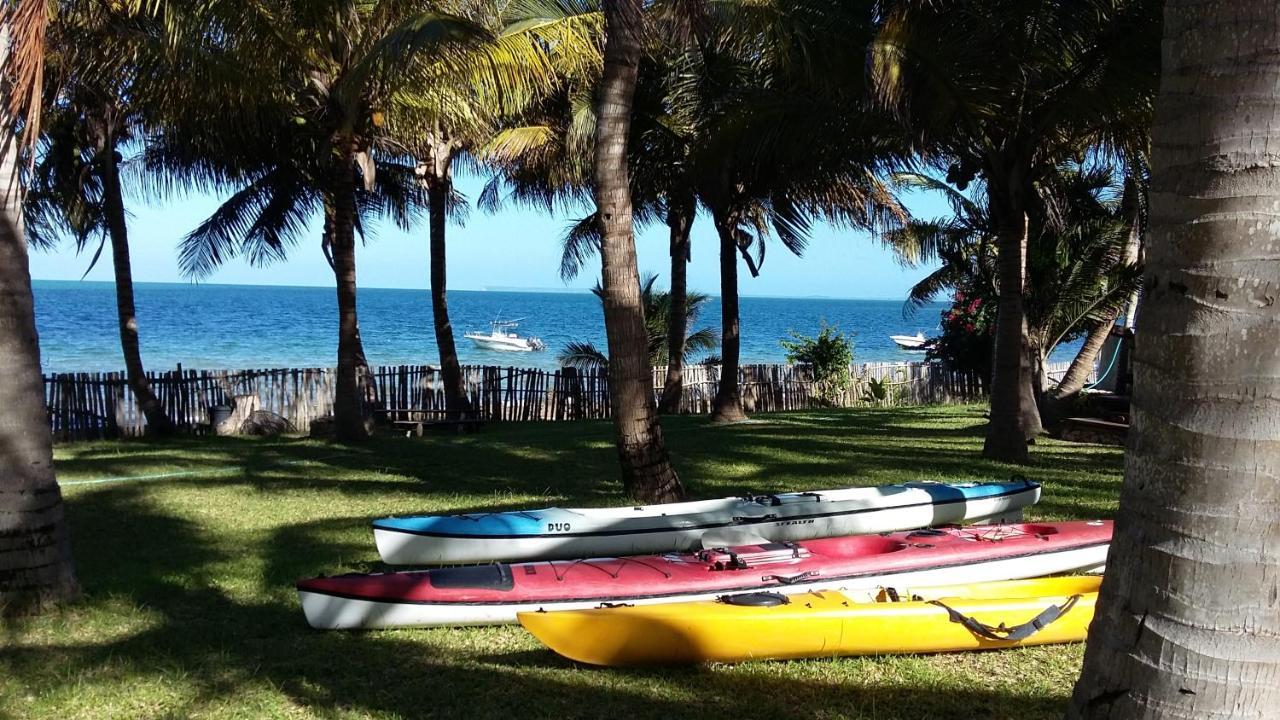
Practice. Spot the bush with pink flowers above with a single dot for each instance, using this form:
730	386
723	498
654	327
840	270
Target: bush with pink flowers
968	334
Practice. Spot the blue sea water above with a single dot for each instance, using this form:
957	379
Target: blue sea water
241	326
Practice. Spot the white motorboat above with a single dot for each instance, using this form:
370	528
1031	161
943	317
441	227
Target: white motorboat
502	337
909	342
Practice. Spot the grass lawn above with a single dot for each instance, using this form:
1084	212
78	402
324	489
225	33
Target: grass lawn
189	607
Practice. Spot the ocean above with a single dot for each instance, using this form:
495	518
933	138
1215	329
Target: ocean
250	326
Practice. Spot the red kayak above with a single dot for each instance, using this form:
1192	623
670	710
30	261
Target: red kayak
493	594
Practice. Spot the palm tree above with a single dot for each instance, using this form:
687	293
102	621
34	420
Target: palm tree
681	211
546	160
658	307
77	187
1078	271
646	468
756	179
321	146
36	568
439	123
1133	207
1187	618
1007	90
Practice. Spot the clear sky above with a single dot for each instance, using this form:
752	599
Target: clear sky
516	248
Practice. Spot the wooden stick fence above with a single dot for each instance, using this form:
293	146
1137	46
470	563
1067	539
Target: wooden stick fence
100	405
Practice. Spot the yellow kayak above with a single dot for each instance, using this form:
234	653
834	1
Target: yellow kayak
757	626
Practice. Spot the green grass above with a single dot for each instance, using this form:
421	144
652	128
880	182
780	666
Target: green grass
189	608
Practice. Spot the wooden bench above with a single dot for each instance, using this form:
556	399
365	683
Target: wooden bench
417	421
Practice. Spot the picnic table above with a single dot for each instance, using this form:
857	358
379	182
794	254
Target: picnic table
416	421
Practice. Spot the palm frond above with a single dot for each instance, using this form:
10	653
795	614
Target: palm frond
260	221
582	356
25	25
581	242
702	340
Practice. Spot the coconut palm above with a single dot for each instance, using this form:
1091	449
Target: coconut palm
758	181
1186	620
36	568
1133	204
1078	269
321	146
647	473
109	62
705	132
1007	90
545	163
442	124
658	306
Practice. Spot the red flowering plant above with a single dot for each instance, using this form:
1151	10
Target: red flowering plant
968	334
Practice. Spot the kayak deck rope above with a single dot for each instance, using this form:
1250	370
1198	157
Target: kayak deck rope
997	533
477	517
595	565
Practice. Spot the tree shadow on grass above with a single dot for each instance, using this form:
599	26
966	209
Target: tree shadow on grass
563	464
574	463
221	616
218	640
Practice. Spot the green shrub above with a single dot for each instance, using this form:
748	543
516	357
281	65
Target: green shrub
829	355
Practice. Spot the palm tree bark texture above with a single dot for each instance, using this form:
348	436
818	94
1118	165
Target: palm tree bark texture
1188	622
36	568
680	215
348	410
647	473
437	169
728	402
1014	416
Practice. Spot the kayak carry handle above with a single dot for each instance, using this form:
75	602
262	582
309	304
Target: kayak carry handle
791	579
1009	634
740	519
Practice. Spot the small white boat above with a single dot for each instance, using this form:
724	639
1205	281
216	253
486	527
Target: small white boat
501	337
909	342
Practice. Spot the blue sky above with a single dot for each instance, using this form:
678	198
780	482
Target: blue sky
516	248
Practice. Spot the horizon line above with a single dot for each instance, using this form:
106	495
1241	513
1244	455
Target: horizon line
494	289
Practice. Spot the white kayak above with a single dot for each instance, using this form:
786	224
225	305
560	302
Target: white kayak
553	533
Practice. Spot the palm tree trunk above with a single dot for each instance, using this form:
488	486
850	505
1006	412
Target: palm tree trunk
439	186
647	474
36	570
1039	372
348	408
728	402
680	216
330	223
1082	364
1187	622
158	421
1073	382
1014	416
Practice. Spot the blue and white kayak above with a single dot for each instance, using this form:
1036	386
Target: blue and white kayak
554	533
